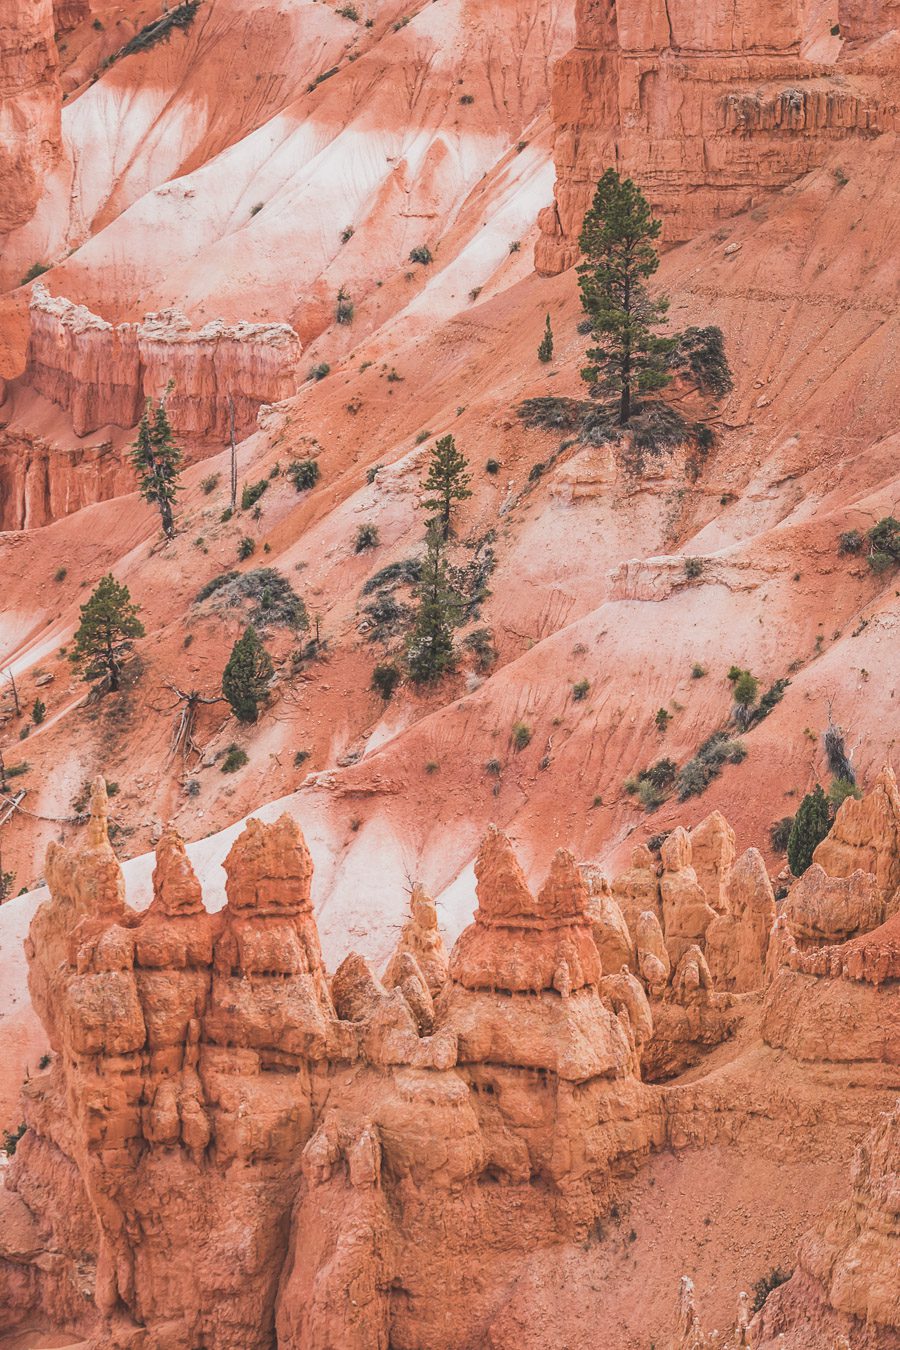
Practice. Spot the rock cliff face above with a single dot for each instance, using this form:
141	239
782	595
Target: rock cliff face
101	373
229	1149
30	103
40	481
708	108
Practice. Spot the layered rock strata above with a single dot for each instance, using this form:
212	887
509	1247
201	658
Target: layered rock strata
708	108
101	373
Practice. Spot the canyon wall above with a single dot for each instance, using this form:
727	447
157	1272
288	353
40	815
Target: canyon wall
41	482
30	105
707	108
101	373
228	1148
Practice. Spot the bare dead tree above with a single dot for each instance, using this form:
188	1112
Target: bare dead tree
186	703
15	693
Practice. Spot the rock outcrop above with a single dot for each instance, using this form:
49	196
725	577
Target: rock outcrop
30	104
707	108
865	837
101	373
737	940
686	911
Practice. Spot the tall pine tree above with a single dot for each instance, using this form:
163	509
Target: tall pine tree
811	824
157	461
430	652
446	483
245	679
105	636
617	240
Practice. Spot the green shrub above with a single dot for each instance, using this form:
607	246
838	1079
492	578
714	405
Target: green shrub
465	99
251	493
16	770
662	718
38	712
210	483
521	735
256	208
699	355
492	466
35	270
347	234
348	12
301	757
385	679
481	644
884	544
235	758
697	671
746	688
838	792
421	254
493	768
246	547
246	677
693	568
60	574
851	541
780	833
11	1139
649	796
580	690
304	474
344	310
319	371
372	473
718	750
366	538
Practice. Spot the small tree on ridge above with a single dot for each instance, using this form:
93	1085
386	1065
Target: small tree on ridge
157	461
446	483
105	636
245	679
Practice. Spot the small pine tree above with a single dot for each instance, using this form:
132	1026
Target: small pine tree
746	687
617	240
157	461
430	651
446	483
811	824
246	676
38	712
545	350
109	625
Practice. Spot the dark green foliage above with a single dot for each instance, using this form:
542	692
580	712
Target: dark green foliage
106	634
718	750
348	12
545	349
406	572
520	735
481	644
246	548
251	493
366	538
304	474
836	752
235	758
16	770
385	678
246	677
746	688
273	600
884	544
580	690
811	824
661	774
35	270
780	833
553	414
654	426
60	574
851	541
421	254
535	472
38	712
492	466
44	1062
157	462
697	671
372	472
662	718
11	1139
7	881
300	758
430	653
182	16
465	100
617	240
773	695
763	1288
319	371
446	483
693	567
385	617
494	768
326	75
699	355
210	483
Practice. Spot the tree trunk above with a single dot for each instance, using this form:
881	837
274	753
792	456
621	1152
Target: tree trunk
233	455
168	520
